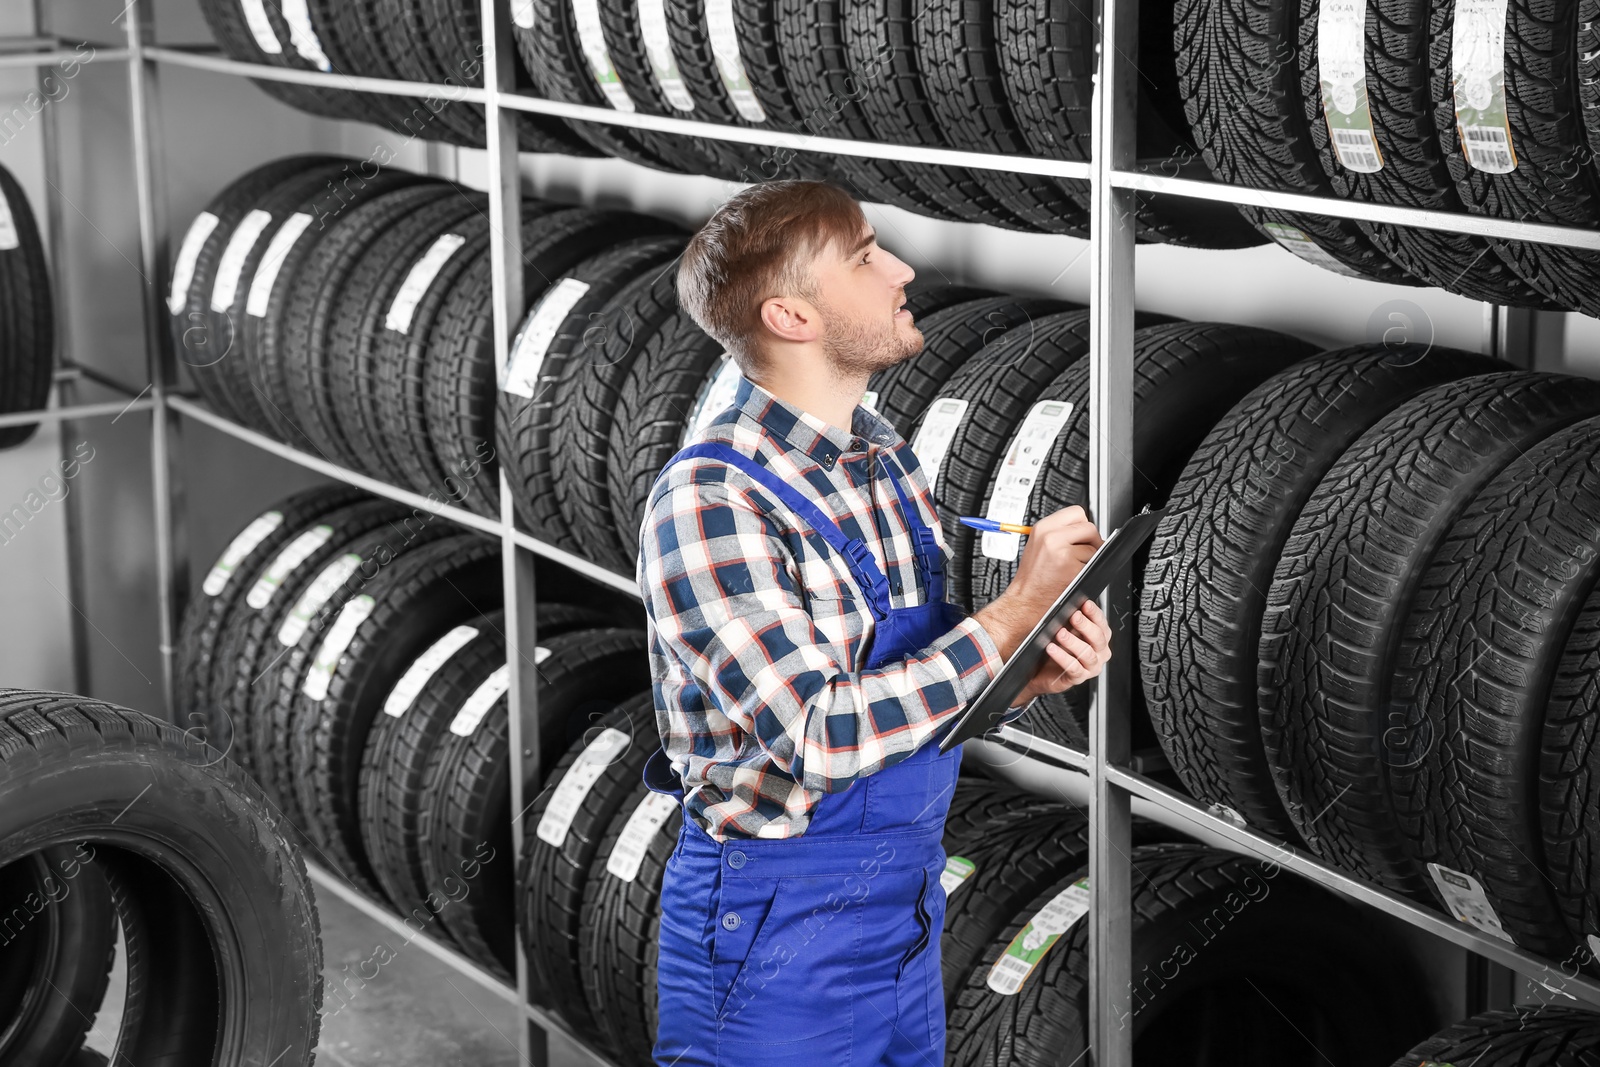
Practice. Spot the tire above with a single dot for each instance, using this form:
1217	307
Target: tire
1488	626
27	315
195	858
587	397
1211	561
1187	376
233	33
460	368
621	928
420	595
1567	778
1340	598
1242	95
1208	928
525	428
351	33
467	795
554	877
1532	1036
651	418
61	942
980	806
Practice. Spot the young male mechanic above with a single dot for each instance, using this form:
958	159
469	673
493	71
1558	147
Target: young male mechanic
805	659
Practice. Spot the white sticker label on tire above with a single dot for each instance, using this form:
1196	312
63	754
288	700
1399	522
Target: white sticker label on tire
240	244
1594	946
240	547
637	833
1014	483
405	691
869	399
658	43
311	601
934	436
255	16
539	329
9	237
724	36
303	36
272	261
482	699
421	275
1300	243
715	395
592	38
1342	70
1478	74
522	13
1034	940
957	869
575	785
1466	900
291	556
338	639
188	253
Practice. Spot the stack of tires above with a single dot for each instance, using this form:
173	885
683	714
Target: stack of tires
1536	1034
1420	103
27	316
1369	624
122	835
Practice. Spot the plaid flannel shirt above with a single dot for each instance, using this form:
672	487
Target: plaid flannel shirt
758	631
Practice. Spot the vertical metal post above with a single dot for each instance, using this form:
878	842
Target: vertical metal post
1525	337
505	225
172	573
1111	236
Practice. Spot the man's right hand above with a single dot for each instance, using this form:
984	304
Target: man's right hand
1058	548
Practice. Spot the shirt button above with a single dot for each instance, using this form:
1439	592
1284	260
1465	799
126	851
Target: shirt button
731	921
857	444
736	860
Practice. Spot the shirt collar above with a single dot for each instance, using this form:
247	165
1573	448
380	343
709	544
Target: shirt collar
805	432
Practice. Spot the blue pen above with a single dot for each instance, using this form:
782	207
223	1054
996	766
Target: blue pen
990	526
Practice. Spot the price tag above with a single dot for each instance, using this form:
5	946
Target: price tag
934	436
405	691
311	601
1297	241
240	547
637	834
522	13
255	16
338	639
1342	69
188	253
724	36
288	558
421	275
539	329
658	43
1035	939
255	303
715	395
592	38
575	785
957	869
1015	481
240	244
482	699
303	36
1478	75
1466	900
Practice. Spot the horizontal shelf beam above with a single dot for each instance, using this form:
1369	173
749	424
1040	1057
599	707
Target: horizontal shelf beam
1362	210
584	567
214	61
114	408
55	56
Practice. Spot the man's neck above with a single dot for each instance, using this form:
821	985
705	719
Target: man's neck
817	390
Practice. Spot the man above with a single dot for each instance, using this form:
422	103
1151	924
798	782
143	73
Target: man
805	659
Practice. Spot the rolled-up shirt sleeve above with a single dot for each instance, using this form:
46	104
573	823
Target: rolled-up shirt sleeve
724	594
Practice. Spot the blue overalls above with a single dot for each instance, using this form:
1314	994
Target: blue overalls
820	950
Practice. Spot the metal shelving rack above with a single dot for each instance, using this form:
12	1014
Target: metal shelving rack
1101	777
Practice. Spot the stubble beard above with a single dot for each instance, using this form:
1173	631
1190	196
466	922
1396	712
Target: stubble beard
859	349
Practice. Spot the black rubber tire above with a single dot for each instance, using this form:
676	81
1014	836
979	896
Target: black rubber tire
27	316
1341	594
1242	94
422	594
1211	561
197	860
1209	929
232	32
361	317
587	397
959	56
467	793
1529	1036
651	417
553	877
979	806
1567	776
460	369
55	962
620	930
524	429
1486	633
1549	108
351	34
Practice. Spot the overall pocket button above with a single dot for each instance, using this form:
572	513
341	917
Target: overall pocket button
736	860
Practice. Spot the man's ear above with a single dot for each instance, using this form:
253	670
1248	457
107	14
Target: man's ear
791	318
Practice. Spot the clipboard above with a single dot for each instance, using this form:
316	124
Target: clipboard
1111	558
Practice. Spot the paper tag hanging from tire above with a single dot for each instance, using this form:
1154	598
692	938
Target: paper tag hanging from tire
658	43
724	34
240	547
575	785
1342	71
637	834
1478	75
1025	951
1466	900
1018	471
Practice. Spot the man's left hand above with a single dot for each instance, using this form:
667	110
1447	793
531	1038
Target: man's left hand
1076	654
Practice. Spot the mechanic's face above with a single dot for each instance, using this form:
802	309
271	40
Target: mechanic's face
859	292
